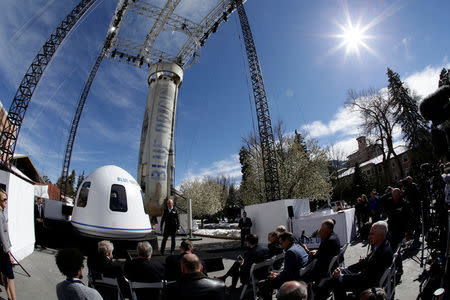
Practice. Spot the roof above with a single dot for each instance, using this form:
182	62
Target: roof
374	161
25	165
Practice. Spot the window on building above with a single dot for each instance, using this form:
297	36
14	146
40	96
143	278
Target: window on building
380	168
406	171
118	198
393	164
405	157
395	176
84	193
368	172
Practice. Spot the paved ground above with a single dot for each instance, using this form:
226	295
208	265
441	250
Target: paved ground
45	275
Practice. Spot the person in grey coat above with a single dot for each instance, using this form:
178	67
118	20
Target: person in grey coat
6	259
70	263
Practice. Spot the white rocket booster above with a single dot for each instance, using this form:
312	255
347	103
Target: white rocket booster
156	153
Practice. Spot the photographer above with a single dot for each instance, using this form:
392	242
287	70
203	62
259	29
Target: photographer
412	198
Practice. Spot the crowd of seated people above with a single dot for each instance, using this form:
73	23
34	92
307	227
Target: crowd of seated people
302	269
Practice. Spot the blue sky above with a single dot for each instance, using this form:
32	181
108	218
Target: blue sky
306	78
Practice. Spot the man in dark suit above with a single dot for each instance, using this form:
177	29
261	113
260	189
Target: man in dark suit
244	224
102	264
38	222
295	258
172	221
173	262
193	284
142	269
241	268
321	258
364	274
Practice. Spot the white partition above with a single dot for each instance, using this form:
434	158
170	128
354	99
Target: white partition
20	211
344	228
267	216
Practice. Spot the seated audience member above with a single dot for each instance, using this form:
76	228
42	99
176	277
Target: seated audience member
241	268
193	284
142	269
102	265
364	274
295	258
328	248
70	264
373	294
173	262
281	229
293	290
274	244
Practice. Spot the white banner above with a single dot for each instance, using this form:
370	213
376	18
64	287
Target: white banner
306	225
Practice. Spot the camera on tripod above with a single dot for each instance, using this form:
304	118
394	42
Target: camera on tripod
436	108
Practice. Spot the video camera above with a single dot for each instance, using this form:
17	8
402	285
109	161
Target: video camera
436	107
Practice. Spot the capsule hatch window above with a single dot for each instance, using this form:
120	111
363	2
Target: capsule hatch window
118	198
84	192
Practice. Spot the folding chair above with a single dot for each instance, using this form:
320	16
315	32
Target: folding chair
278	261
108	288
268	263
341	260
134	285
388	281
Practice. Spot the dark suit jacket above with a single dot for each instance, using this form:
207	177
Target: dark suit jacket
36	212
100	265
144	270
328	248
245	226
171	220
196	286
274	248
294	259
253	255
173	267
370	269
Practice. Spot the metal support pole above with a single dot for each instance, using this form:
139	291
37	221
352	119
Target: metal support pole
191	237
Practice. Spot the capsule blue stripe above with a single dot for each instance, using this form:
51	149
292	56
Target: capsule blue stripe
111	228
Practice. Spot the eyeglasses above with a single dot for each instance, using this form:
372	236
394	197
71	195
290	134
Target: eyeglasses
4	200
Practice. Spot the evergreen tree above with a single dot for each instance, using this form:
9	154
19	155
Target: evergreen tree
360	182
300	140
69	184
414	126
79	181
444	77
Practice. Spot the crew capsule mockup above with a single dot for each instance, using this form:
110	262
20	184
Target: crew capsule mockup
109	204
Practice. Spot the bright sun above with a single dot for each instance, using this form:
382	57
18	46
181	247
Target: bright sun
353	37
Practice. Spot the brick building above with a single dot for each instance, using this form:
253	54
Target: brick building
370	161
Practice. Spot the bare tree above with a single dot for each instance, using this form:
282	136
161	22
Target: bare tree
378	122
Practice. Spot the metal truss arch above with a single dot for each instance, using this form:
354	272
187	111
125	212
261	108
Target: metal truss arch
24	93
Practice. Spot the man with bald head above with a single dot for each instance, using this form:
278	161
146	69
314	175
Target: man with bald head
293	290
328	248
364	274
193	284
172	225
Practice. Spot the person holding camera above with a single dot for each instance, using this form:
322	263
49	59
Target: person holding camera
241	268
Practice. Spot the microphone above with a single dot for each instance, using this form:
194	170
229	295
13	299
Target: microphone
436	107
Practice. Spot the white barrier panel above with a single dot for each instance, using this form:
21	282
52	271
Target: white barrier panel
20	211
344	228
267	216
